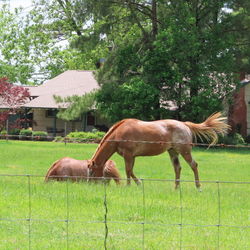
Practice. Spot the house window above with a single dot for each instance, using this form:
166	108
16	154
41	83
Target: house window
51	113
90	119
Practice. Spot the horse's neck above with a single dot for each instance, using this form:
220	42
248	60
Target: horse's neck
104	153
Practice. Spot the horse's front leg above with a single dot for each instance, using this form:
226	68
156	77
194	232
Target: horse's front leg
129	163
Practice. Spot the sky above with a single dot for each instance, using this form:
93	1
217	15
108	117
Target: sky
18	3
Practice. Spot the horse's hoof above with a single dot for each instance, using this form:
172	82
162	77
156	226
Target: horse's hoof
199	189
138	182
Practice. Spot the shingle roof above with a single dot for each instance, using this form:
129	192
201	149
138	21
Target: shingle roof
69	83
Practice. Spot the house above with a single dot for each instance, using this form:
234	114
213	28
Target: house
239	111
42	107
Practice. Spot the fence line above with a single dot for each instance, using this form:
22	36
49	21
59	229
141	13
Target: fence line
106	220
66	140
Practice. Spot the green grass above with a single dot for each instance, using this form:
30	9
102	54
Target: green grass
155	202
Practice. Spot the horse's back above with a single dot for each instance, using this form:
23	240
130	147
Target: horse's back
151	137
70	167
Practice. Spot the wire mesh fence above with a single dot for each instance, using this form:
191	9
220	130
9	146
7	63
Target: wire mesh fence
155	212
152	216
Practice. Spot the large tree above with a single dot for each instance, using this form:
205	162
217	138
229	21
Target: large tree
180	52
158	54
41	42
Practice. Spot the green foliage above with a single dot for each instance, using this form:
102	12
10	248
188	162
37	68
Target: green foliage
232	139
25	132
133	99
189	62
76	105
85	136
3	132
182	52
14	131
40	133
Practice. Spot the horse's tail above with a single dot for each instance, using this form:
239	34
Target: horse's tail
210	128
51	171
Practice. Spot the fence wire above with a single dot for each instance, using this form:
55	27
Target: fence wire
107	220
67	140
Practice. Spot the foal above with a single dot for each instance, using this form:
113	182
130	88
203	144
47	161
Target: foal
77	170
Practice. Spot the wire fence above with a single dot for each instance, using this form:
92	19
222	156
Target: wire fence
66	140
107	220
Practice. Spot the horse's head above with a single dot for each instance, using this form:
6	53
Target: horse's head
94	170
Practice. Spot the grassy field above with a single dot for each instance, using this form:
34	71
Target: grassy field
69	215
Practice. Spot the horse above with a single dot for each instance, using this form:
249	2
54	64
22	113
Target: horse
68	168
131	138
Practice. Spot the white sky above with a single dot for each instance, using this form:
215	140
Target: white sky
18	3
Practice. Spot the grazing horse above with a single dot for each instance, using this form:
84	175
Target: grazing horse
132	137
76	170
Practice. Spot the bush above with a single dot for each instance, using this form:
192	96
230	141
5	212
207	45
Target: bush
85	136
25	132
3	132
40	135
247	140
14	131
232	139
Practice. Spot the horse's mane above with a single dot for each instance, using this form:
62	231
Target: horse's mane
110	131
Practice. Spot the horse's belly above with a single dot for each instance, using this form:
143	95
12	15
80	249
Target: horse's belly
150	149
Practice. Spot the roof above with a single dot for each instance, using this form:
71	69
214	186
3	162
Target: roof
69	83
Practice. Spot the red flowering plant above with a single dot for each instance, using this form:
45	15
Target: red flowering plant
12	97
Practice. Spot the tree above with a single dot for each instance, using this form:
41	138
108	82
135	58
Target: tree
73	107
240	27
185	56
36	44
12	98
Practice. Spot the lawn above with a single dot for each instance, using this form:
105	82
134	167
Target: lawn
69	215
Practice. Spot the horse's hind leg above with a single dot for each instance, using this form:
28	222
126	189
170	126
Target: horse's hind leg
186	154
177	167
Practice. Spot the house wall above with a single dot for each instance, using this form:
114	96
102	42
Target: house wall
44	123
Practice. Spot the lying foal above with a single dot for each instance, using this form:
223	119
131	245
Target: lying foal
76	170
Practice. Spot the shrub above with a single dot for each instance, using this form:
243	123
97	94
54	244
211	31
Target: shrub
25	132
85	136
40	135
247	140
14	131
232	139
3	132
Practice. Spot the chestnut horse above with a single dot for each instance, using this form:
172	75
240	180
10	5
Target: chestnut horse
76	170
132	137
